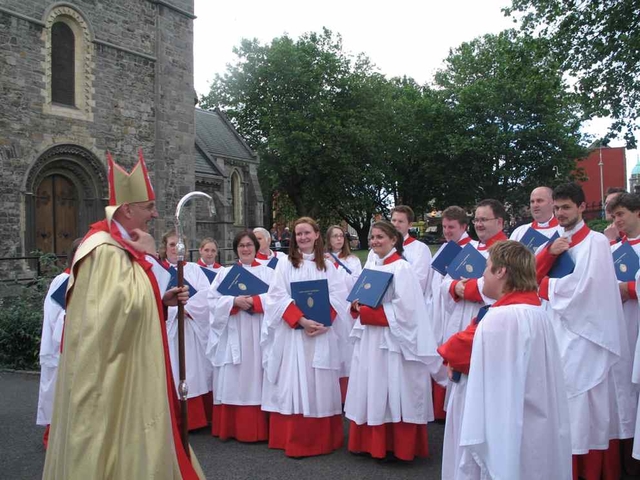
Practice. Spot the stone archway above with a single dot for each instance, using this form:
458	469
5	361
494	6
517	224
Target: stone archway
65	191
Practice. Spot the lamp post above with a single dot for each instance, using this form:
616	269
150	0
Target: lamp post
601	164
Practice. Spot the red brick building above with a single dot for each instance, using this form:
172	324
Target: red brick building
612	173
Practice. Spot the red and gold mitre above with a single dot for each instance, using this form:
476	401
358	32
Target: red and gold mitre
129	187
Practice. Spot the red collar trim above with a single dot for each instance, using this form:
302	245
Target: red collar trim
408	240
262	256
498	237
67	271
631	242
464	241
514	298
253	264
580	235
552	223
202	264
393	258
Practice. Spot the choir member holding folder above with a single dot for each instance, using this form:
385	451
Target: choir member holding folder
514	420
588	321
236	300
303	355
624	209
454	229
196	330
389	397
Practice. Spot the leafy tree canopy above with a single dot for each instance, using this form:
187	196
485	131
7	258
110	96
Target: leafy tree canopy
598	42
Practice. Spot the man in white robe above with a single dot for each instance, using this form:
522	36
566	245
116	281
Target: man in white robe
515	423
588	322
454	228
541	206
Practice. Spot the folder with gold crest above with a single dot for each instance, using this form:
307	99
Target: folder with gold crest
312	297
240	281
469	263
370	287
625	260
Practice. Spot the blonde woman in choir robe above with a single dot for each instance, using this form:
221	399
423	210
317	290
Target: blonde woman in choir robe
208	254
302	365
234	350
196	329
389	396
350	268
265	255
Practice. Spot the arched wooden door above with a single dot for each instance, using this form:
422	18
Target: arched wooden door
56	215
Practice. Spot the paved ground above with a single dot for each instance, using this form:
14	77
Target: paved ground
22	454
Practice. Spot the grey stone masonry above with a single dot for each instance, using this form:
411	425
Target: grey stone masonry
134	76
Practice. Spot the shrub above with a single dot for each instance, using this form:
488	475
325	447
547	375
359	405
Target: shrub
21	319
597	225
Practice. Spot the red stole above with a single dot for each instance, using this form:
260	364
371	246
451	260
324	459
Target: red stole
498	237
552	223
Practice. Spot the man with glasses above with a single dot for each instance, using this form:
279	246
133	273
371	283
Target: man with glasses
541	206
488	222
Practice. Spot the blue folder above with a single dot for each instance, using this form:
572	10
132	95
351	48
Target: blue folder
626	263
532	239
312	297
60	295
469	263
563	265
370	287
173	282
240	281
444	258
209	273
272	263
455	377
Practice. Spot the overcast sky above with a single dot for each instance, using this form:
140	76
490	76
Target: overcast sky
404	37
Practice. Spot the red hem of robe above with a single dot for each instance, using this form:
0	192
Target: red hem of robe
245	423
438	393
405	440
599	464
197	412
301	436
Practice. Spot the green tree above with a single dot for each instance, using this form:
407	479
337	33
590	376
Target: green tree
512	123
308	109
598	42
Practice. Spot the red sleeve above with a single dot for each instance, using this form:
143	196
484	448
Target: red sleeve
633	295
257	304
234	311
612	242
333	314
544	262
472	292
373	316
292	314
457	350
543	291
452	291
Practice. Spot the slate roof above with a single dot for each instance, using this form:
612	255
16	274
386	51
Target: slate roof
217	137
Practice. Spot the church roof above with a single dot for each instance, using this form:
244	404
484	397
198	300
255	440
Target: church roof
636	169
218	138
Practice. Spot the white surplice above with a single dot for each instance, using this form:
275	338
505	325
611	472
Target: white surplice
52	326
516	416
588	322
234	344
390	369
302	372
196	335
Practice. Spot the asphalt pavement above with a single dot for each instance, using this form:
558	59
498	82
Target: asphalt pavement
22	454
